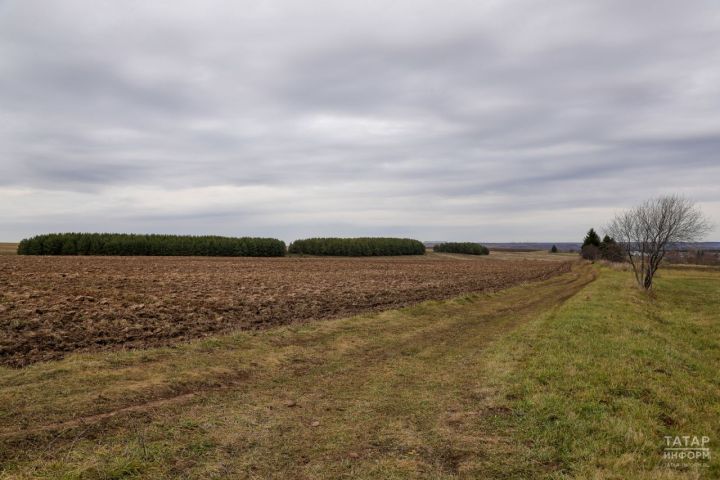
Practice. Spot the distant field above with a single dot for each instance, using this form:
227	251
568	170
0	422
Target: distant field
514	255
8	248
533	255
55	305
519	255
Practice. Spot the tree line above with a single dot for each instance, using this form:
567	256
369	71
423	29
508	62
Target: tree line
462	247
357	247
159	245
209	245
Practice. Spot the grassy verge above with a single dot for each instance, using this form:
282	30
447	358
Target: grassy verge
522	383
595	387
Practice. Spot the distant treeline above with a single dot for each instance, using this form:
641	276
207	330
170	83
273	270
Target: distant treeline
461	247
357	247
132	244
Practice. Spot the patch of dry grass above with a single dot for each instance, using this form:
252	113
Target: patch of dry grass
535	255
8	248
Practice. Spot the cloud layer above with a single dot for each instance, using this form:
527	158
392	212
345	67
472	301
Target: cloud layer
457	120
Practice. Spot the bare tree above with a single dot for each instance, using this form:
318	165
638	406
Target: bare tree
648	231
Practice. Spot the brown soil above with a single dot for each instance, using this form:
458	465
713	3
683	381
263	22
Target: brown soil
53	305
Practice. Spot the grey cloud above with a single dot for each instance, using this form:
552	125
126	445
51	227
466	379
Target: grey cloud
340	105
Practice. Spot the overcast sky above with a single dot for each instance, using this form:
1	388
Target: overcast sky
439	120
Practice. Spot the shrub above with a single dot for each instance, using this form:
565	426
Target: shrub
590	252
692	256
133	244
357	247
554	249
462	247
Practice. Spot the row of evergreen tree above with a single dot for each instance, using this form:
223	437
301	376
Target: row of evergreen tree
133	244
210	245
357	247
462	247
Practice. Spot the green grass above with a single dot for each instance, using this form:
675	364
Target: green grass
596	386
555	379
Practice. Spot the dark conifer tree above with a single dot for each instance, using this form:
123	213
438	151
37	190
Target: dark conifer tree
592	238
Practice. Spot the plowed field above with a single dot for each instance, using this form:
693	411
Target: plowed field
53	305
